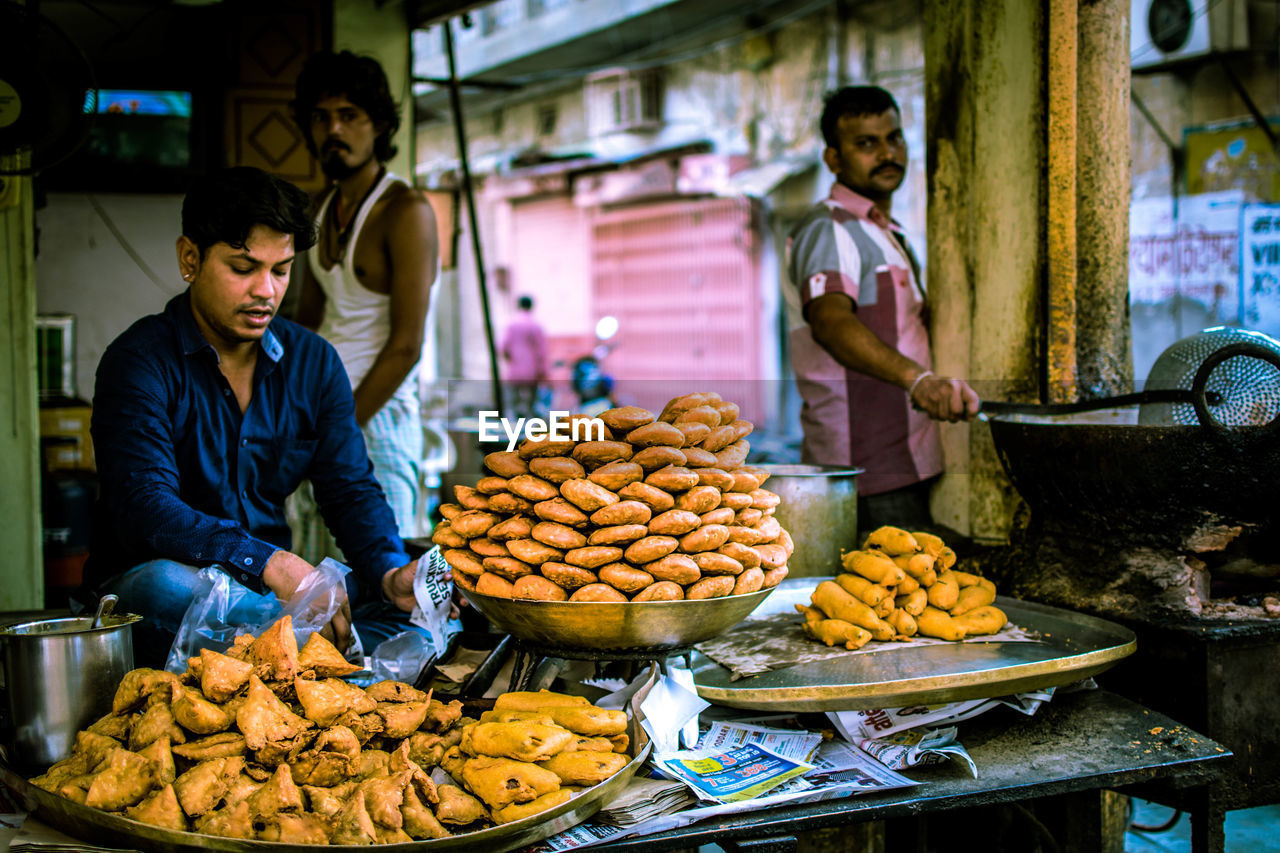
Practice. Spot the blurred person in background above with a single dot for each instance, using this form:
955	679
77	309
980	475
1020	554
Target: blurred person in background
859	338
524	349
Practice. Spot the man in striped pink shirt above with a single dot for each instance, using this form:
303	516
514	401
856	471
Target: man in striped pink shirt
859	342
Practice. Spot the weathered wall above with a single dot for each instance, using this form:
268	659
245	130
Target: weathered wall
1104	355
984	79
1176	293
1027	108
378	29
20	533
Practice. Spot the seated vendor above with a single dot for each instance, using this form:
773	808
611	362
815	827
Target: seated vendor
208	415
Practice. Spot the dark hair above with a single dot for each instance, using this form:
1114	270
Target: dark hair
224	206
525	303
362	80
853	101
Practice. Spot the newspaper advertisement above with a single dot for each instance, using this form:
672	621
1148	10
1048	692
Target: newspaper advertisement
732	775
789	743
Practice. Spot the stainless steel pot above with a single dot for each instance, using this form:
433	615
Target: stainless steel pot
819	507
60	676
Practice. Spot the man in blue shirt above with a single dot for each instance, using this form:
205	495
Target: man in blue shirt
208	415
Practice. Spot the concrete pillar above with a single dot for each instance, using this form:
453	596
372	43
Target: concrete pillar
1104	349
20	529
1060	226
985	112
1028	129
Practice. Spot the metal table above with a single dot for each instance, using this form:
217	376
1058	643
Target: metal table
1215	675
1073	749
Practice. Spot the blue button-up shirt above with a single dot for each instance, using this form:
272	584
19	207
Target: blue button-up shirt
186	476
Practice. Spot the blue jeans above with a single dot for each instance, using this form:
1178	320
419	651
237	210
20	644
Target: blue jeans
161	591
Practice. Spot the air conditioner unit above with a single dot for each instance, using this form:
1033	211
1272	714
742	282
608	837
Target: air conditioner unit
1165	32
619	100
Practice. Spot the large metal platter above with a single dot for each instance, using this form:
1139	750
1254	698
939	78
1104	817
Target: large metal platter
604	626
1073	646
106	829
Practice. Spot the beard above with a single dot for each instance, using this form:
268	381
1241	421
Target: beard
337	169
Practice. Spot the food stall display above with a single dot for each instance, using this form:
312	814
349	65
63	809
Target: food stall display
268	743
662	508
897	585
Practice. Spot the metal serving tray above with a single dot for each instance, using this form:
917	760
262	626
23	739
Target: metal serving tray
1072	646
625	626
113	830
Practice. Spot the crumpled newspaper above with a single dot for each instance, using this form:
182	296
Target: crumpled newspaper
916	747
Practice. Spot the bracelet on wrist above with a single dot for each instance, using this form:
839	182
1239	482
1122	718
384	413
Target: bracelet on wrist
911	390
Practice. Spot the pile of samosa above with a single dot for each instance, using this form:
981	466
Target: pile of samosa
898	585
268	742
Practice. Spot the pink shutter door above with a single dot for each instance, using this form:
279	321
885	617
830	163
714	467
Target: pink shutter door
549	261
683	279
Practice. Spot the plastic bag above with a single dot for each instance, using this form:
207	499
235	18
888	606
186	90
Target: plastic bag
220	609
433	591
401	658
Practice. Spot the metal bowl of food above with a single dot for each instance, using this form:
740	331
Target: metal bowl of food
622	627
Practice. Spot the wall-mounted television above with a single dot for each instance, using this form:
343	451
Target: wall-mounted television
139	141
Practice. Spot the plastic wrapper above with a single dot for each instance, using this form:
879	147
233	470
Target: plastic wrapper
433	591
401	658
221	608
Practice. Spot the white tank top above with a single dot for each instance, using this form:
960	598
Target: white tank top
357	321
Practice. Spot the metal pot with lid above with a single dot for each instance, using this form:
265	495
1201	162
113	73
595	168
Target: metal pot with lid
60	676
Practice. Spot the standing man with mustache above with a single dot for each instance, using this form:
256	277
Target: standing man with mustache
859	342
366	286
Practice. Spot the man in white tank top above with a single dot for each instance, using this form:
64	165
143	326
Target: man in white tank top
367	282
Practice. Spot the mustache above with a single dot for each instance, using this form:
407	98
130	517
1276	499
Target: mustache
888	167
334	145
258	306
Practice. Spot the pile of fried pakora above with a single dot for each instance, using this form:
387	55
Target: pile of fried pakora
268	742
897	585
534	751
657	508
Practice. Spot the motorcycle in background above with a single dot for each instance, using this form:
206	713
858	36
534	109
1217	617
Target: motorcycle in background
594	387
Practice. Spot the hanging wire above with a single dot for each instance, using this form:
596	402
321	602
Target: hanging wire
128	247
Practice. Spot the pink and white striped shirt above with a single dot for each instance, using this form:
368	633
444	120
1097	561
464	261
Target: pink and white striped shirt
845	244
